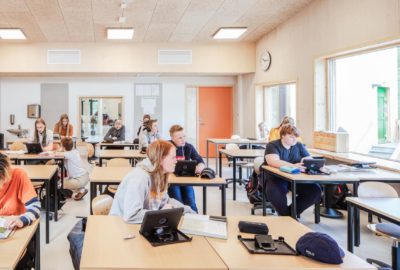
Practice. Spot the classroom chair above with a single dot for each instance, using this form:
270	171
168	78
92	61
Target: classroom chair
101	204
116	162
376	190
239	164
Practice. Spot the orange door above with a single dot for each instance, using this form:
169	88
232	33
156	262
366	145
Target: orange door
215	116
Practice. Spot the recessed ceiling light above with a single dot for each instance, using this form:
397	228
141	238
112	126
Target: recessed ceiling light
229	32
120	33
12	34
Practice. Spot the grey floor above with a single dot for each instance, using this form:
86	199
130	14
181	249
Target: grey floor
55	255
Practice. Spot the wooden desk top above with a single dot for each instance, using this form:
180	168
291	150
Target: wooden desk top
352	158
237	141
366	175
236	256
12	248
52	155
121	154
109	174
173	179
116	144
104	248
389	207
39	172
243	153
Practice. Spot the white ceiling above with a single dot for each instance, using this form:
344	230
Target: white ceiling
153	20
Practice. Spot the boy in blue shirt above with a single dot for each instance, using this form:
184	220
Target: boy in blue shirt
185	151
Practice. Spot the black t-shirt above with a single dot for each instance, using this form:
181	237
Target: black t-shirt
293	155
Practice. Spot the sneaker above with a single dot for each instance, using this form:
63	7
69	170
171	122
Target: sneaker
78	196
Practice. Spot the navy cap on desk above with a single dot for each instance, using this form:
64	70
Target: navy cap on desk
320	247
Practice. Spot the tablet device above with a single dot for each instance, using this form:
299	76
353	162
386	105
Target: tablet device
34	148
160	227
185	168
312	164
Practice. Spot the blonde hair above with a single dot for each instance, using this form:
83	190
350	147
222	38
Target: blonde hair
287	120
175	128
36	133
156	152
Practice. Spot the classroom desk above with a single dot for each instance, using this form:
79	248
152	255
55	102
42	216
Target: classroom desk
45	173
131	146
132	155
114	175
197	181
386	208
104	248
235	256
218	142
105	176
237	154
12	248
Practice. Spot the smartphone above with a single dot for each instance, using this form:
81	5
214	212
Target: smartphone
265	242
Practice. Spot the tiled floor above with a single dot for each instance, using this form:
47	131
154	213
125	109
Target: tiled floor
55	255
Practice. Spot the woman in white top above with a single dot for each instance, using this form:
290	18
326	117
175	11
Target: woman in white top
149	134
146	186
78	176
42	135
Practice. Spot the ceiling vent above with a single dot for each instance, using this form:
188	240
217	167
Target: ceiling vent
174	57
64	57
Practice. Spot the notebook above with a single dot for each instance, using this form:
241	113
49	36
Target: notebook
4	233
205	225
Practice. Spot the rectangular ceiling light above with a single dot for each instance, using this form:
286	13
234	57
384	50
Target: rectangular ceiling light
120	33
12	34
229	32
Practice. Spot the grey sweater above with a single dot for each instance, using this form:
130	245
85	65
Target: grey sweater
132	199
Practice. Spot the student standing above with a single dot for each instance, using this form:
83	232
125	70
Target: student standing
42	135
287	151
145	187
63	127
78	176
185	151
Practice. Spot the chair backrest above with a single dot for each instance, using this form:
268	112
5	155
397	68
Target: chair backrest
101	205
235	137
89	146
376	190
232	146
257	163
16	146
118	162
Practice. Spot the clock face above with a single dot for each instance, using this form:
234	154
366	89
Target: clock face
265	61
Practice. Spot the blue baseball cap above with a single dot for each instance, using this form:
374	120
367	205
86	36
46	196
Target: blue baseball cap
320	247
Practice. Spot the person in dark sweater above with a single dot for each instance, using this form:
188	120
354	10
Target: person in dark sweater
287	151
185	151
116	133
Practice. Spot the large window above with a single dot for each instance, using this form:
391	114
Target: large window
364	98
275	102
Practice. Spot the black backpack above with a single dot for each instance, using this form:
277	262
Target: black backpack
62	195
254	189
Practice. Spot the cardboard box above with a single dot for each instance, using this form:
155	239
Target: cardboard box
331	141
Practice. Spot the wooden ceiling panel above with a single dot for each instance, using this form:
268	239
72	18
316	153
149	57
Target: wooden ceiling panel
13	6
159	32
27	23
106	11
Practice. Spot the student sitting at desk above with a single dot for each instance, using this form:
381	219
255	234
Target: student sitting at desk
116	133
186	151
149	134
145	187
63	127
42	135
19	204
274	133
287	151
146	119
78	176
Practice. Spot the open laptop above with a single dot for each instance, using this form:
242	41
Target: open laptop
185	168
160	227
314	165
34	148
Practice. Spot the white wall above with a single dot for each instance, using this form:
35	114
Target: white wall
16	93
323	28
15	96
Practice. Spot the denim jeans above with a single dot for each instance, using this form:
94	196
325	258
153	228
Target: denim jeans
184	194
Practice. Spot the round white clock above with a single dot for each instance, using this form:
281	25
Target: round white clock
266	61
